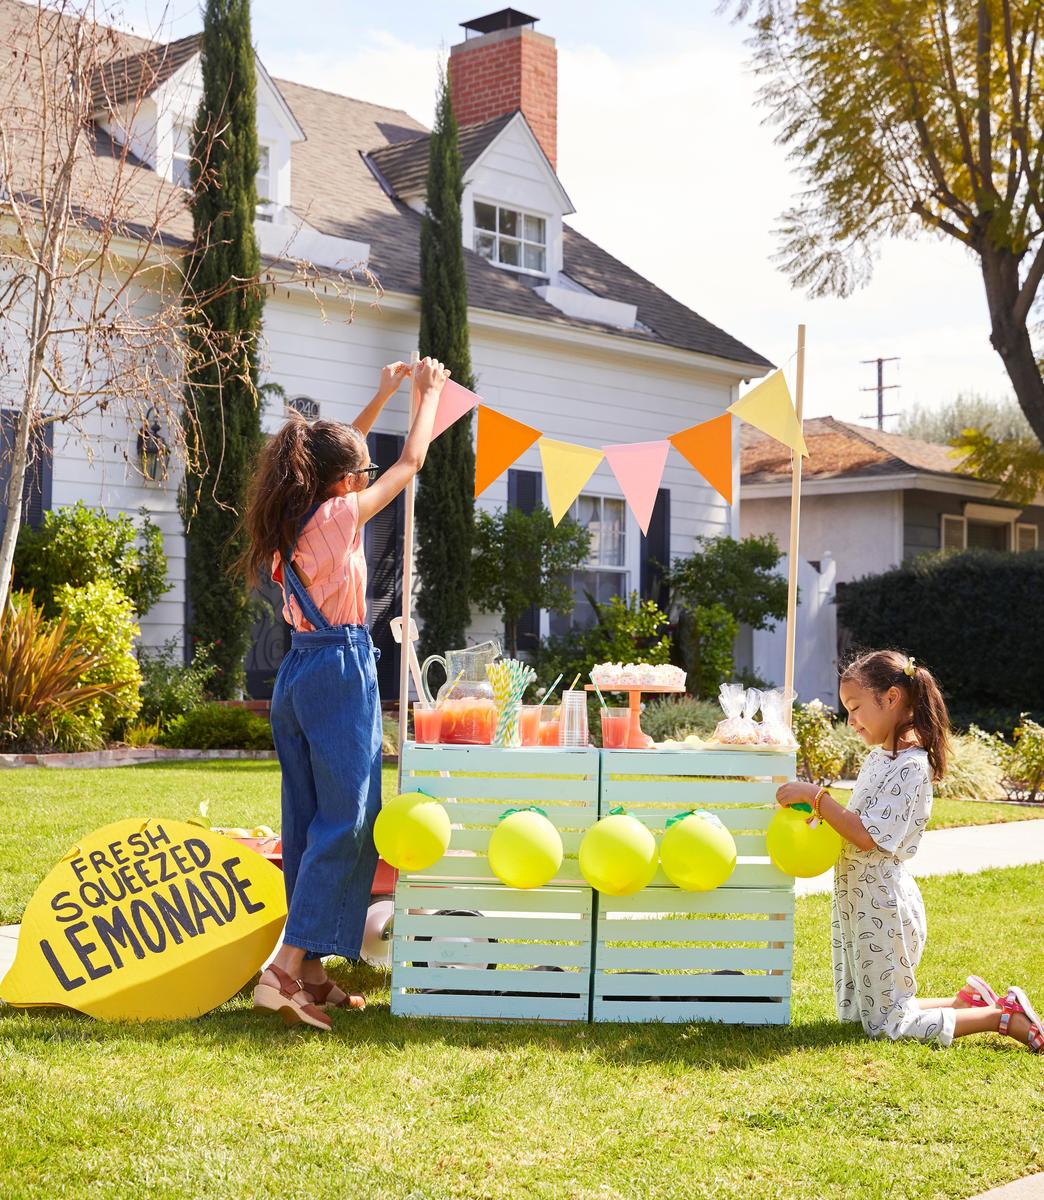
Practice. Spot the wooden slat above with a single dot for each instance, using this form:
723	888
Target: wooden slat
533	760
490	1008
569	983
732	1014
758	764
561	816
680	792
686	958
522	954
477	839
503	792
490	898
699	930
724	900
695	986
477	870
506	928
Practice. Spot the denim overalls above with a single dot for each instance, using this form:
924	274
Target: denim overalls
326	723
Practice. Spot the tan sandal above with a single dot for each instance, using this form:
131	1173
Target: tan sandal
291	1000
328	995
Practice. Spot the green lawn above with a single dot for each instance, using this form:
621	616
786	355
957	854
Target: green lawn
948	814
386	1109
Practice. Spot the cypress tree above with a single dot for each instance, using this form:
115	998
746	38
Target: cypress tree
224	412
445	508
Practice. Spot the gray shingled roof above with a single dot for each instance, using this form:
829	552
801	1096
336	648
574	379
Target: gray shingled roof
404	165
138	75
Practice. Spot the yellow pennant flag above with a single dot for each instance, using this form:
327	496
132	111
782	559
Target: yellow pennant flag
768	407
566	469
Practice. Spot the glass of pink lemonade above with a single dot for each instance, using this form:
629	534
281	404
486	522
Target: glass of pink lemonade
549	726
616	728
427	723
529	724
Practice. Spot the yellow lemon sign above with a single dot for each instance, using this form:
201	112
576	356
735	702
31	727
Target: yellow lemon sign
147	921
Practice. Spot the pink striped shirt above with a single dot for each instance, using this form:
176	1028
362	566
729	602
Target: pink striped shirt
330	553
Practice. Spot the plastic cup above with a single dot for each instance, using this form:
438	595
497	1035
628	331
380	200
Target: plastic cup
573	731
529	724
427	723
616	728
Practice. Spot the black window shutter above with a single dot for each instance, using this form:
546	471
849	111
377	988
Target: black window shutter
656	551
524	493
36	492
383	539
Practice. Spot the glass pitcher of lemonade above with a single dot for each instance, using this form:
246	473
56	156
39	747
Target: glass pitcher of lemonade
469	713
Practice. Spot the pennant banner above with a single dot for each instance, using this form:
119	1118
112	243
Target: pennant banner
708	448
501	441
454	403
768	407
566	469
638	467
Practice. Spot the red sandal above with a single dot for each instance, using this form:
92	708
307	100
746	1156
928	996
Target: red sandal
978	993
290	999
1016	1001
323	995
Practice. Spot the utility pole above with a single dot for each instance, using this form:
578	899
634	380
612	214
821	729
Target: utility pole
880	389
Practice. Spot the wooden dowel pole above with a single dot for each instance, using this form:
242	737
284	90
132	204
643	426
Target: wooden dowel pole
407	583
795	521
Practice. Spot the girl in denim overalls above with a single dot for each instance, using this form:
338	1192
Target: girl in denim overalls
309	501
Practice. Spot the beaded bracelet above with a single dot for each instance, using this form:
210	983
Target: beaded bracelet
815	803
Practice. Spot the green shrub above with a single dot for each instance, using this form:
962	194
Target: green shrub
973	771
103	618
927	608
849	747
635	631
142	733
79	546
45	702
1023	762
706	635
820	757
677	717
218	727
169	688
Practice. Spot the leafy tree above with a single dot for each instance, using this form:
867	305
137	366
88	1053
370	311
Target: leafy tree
446	486
724	584
906	116
224	426
944	423
79	546
522	559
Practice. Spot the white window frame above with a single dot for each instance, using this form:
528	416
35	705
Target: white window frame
176	157
1019	526
522	240
962	522
265	198
596	566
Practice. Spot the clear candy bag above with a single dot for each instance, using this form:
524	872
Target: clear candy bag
773	729
737	727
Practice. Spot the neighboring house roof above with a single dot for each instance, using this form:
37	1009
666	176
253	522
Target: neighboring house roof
139	74
839	450
404	165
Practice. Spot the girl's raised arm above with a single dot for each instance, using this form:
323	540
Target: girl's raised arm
430	376
391	376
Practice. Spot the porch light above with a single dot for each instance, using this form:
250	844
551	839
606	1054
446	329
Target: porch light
152	449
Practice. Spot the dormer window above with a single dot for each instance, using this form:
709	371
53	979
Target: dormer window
263	183
181	160
511	238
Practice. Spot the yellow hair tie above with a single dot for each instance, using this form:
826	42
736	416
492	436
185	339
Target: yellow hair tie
910	667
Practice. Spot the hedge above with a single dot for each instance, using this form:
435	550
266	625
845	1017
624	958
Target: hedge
975	618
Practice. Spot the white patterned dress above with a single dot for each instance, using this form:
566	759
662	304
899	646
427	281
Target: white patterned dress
878	922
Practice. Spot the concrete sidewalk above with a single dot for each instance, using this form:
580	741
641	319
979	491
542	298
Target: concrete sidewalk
965	850
1030	1187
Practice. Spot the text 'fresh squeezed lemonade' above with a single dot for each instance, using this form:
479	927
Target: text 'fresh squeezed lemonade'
469	721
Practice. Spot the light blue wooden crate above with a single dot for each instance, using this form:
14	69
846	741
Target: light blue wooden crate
683	937
478	784
483	951
656	954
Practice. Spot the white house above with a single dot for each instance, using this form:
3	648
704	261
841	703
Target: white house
564	336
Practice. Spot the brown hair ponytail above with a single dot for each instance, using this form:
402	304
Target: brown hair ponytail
295	469
883	669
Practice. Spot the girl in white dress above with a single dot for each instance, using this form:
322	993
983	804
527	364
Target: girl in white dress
878	920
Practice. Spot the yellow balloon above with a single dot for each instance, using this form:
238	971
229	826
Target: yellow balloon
798	848
412	832
697	853
618	855
525	850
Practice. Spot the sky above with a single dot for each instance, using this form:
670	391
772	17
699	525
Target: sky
664	152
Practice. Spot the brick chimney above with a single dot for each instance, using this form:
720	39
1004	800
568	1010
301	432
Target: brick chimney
504	64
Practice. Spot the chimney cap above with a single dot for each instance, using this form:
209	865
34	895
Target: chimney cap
506	18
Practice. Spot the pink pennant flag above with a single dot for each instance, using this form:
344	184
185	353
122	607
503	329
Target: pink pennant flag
638	467
454	402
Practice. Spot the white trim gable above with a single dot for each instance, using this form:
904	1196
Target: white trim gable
519	123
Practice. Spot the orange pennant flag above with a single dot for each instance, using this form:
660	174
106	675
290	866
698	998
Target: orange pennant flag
501	441
708	447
